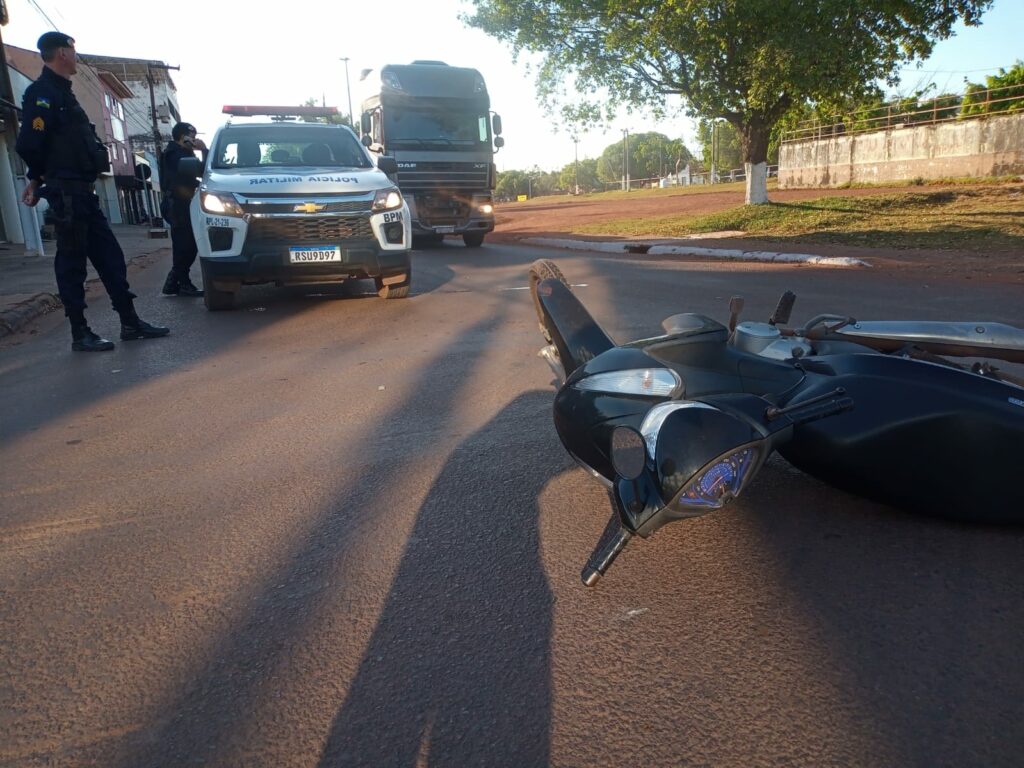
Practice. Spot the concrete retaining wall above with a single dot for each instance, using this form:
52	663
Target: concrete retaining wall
979	147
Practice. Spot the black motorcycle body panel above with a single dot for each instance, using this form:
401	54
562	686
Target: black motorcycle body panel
923	437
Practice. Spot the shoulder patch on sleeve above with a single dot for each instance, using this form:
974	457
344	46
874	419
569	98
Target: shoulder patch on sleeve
38	124
42	101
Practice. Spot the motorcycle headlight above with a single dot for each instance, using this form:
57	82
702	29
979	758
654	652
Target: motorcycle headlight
387	200
223	203
648	382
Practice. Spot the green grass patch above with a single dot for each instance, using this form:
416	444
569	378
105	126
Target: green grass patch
971	218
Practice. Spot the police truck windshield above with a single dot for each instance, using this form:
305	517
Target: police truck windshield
437	129
294	146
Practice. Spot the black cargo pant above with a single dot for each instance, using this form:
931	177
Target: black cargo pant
83	233
183	239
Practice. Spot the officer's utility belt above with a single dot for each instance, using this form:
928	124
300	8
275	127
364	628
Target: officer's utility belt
72	186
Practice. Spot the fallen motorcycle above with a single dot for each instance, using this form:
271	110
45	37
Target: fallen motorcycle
678	425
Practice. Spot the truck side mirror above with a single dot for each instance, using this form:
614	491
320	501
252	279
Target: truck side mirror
364	122
499	142
388	164
496	122
366	141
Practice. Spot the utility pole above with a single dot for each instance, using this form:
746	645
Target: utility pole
576	171
348	92
625	159
714	151
152	101
156	224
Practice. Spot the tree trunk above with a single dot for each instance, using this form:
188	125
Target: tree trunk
755	135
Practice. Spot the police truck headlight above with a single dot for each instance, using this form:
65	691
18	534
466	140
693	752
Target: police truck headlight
387	200
223	203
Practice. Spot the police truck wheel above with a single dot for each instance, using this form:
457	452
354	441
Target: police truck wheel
393	291
215	299
473	239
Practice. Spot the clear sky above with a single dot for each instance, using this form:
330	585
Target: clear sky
232	51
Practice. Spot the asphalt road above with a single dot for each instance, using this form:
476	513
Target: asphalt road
331	530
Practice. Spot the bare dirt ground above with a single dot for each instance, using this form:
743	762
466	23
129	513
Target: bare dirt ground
555	217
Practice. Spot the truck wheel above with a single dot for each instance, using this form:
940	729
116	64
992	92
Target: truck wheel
544	269
473	239
215	299
393	291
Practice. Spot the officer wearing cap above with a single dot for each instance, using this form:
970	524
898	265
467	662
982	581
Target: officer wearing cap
64	158
178	189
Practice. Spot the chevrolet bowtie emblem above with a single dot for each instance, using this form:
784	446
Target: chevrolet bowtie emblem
308	208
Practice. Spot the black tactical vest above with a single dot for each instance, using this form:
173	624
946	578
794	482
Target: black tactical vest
74	151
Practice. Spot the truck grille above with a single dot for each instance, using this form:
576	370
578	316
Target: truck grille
312	229
448	176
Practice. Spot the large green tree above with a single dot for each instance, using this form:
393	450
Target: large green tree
744	61
582	174
651	155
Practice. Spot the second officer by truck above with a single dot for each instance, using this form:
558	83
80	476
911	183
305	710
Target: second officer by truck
178	189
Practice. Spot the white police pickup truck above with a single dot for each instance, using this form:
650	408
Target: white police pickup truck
297	202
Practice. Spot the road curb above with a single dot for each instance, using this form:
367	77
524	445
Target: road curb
735	254
17	316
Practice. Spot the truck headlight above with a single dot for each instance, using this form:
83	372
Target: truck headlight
387	200
487	209
223	203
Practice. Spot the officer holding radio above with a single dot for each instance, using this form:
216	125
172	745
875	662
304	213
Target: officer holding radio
64	158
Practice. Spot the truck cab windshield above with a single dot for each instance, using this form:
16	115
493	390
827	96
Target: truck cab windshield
436	129
293	146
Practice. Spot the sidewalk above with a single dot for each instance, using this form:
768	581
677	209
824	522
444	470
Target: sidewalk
28	287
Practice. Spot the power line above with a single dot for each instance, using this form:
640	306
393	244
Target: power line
951	71
139	113
42	13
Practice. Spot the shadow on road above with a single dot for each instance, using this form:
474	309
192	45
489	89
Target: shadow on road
459	664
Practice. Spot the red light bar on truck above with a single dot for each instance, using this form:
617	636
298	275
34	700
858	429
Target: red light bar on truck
247	111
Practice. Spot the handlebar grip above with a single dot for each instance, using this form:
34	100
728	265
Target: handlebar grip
828	404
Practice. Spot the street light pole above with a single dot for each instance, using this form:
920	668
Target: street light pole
576	170
625	159
348	92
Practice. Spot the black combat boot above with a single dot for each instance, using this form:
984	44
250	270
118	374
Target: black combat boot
172	285
133	327
84	340
187	288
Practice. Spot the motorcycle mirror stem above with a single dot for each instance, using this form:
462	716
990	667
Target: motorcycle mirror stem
612	542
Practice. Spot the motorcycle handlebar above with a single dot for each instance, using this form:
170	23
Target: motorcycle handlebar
820	407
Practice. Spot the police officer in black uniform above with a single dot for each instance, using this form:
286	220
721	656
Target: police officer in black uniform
64	158
178	189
